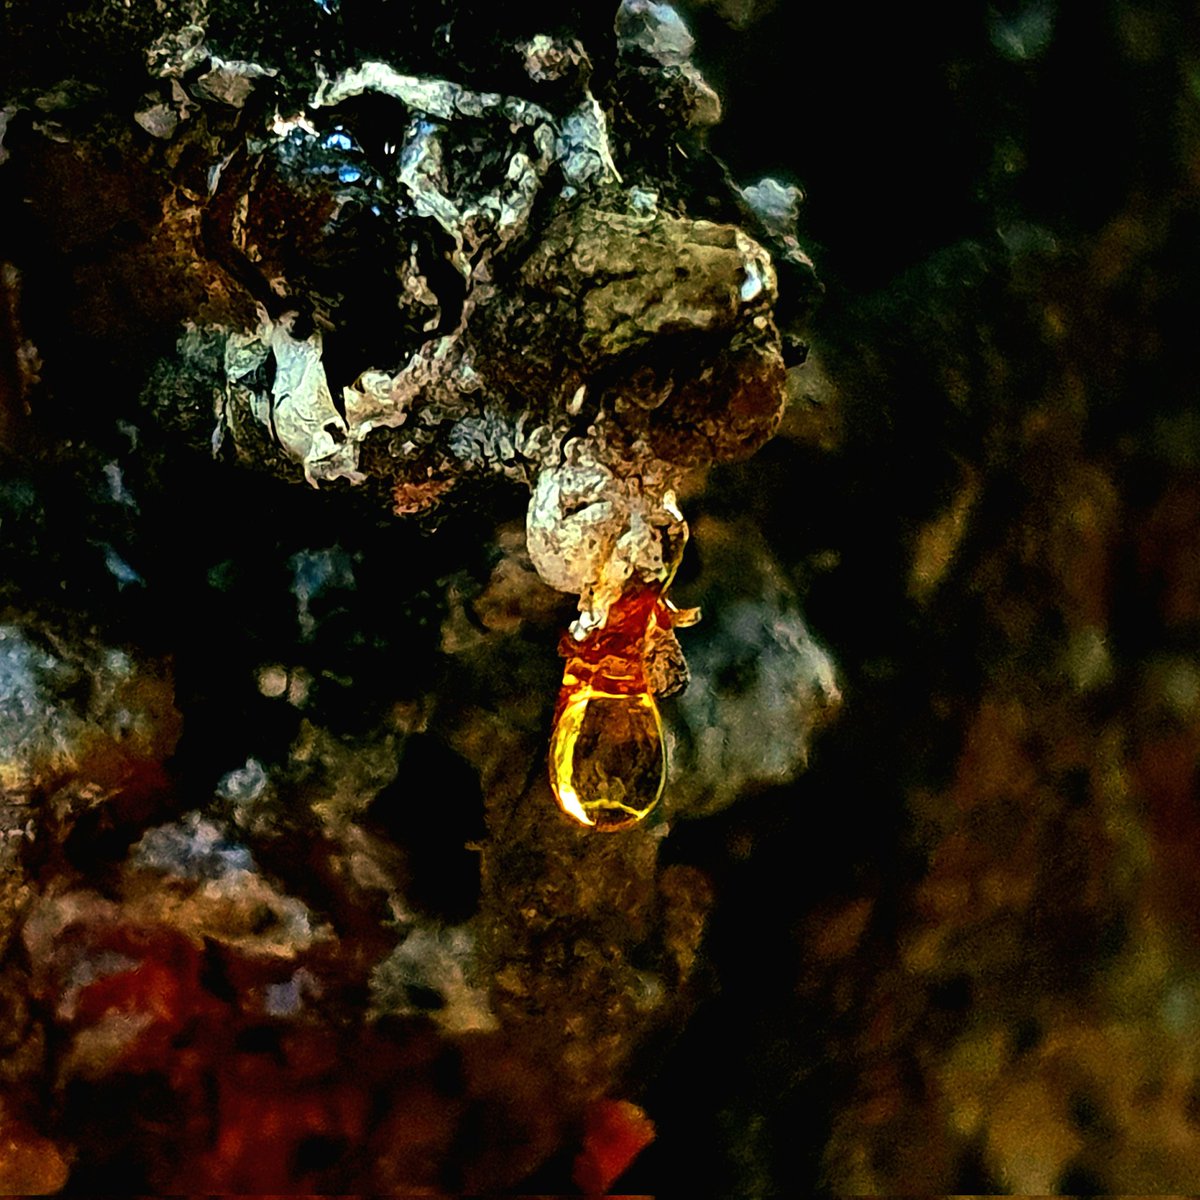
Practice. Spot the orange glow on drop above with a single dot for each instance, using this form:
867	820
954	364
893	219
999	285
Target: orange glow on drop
608	762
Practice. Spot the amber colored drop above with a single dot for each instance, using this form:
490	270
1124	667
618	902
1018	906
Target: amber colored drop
607	760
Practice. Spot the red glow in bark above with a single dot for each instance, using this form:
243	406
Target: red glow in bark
615	1133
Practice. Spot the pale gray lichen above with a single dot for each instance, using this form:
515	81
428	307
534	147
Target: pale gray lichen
158	120
753	732
314	572
429	973
75	718
298	410
58	701
578	142
653	31
764	683
243	787
434	97
37	735
179	50
230	82
194	876
776	204
589	529
548	59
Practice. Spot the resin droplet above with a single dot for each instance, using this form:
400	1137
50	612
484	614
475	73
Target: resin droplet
608	762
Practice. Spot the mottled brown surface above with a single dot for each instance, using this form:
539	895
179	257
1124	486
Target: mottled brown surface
287	905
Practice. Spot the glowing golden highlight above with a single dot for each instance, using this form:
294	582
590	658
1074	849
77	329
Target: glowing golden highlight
608	756
608	763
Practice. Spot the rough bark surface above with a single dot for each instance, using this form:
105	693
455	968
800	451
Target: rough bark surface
512	288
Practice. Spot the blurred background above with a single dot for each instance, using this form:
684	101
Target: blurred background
947	943
959	954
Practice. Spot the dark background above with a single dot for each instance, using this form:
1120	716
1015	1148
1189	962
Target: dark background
922	147
1001	203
